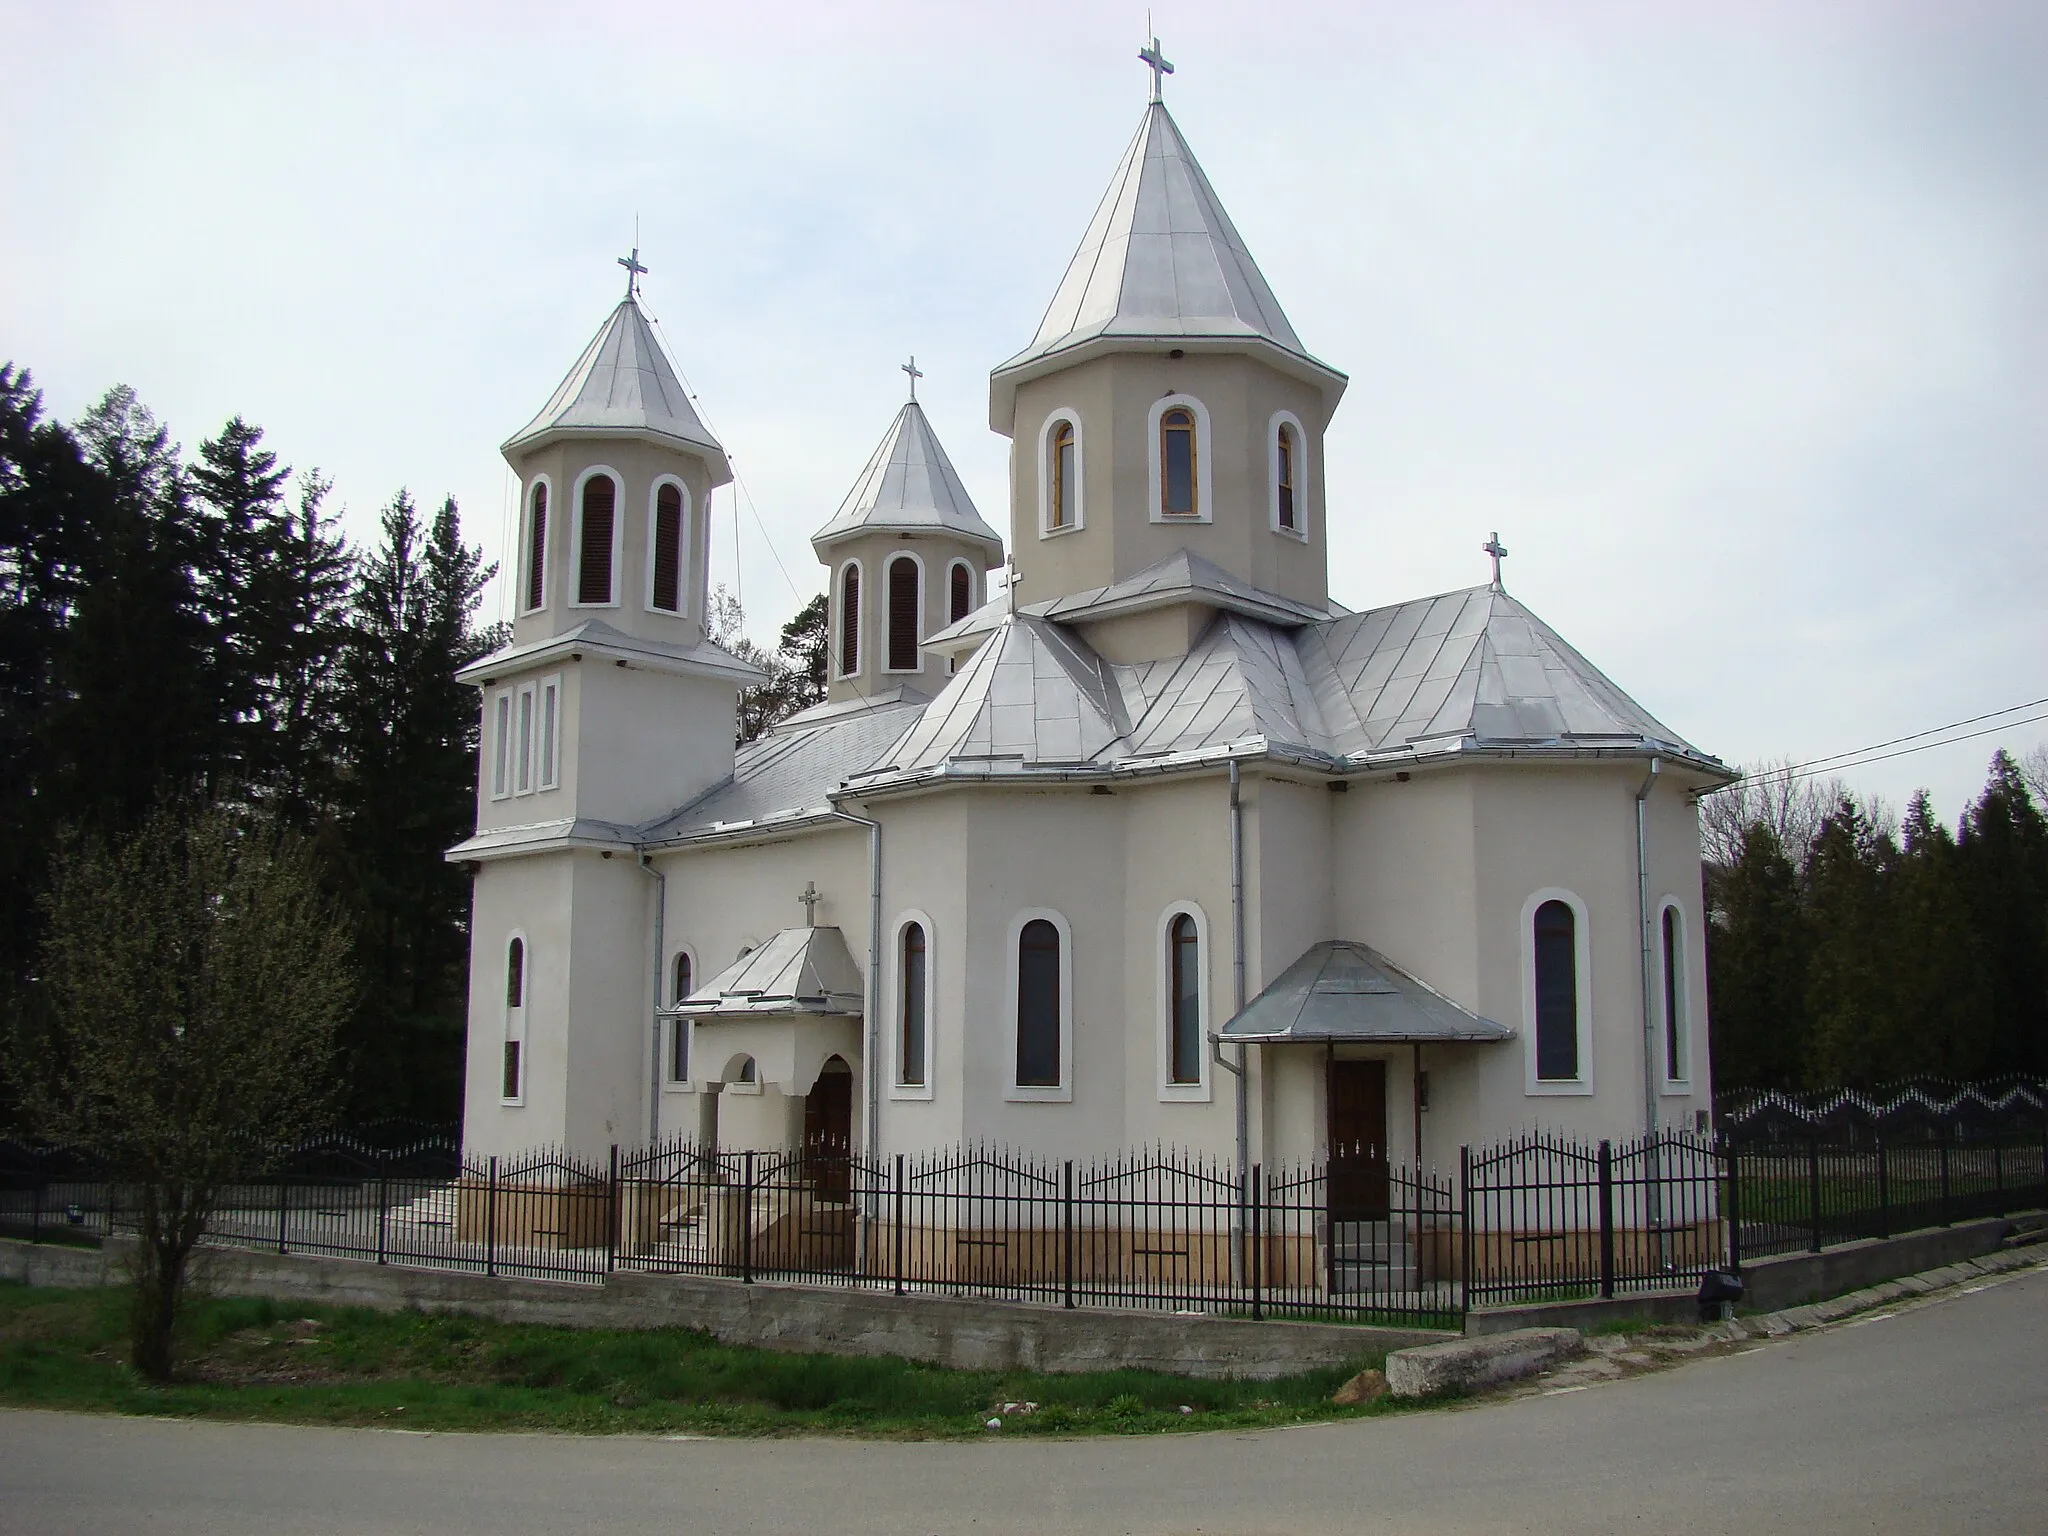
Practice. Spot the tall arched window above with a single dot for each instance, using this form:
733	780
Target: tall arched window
1177	463
1286	451
959	592
849	620
515	974
1557	992
667	574
599	518
906	612
1674	997
537	546
679	1028
911	1021
1038	1005
1060	469
512	1086
1184	972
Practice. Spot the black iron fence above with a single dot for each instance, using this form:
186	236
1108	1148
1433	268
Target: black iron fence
1535	1218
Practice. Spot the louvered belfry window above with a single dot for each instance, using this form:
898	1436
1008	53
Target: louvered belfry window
594	554
849	621
668	549
903	614
962	596
537	549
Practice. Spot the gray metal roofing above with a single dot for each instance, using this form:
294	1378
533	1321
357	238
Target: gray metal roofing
1340	990
909	485
1160	258
799	970
1181	574
622	383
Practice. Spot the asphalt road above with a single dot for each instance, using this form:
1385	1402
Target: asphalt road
1930	1420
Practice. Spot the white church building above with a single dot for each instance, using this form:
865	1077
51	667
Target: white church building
1161	845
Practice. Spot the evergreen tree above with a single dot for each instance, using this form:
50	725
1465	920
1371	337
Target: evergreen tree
237	490
2002	856
1756	968
1849	980
1940	1009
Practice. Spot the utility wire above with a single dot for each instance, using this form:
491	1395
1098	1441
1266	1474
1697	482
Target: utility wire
1816	762
1875	753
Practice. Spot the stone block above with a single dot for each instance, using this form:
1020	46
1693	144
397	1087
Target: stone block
1481	1362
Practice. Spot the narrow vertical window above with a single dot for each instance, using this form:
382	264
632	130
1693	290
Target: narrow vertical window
537	547
849	621
668	549
524	782
1284	478
501	750
1177	462
911	1025
1038	1005
510	1089
679	1028
1674	998
905	612
515	974
1557	993
960	596
1064	486
594	552
1184	972
510	1084
550	712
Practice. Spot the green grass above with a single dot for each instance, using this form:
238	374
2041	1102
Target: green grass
247	1359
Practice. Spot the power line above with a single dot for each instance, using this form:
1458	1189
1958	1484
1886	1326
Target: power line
1815	762
1860	757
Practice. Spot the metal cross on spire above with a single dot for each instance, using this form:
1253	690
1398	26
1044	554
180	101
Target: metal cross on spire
1499	551
810	898
1155	61
634	271
915	373
1013	580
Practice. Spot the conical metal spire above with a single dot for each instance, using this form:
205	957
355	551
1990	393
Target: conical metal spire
909	486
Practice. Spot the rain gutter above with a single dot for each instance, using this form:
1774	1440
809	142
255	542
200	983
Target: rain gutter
871	1061
654	1058
1643	925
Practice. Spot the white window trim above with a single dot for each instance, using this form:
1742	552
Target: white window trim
670	1083
526	544
1063	1092
501	745
1582	944
515	1018
973	595
576	534
926	1090
1677	1087
525	756
833	636
1300	528
1199	1091
684	549
889	613
1205	499
733	1084
547	770
1046	530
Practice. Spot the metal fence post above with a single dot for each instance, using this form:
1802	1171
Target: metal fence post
897	1244
1998	1165
491	1219
1465	1231
284	1205
1884	1187
1067	1234
1813	1187
1733	1216
747	1224
611	1225
383	1200
35	1210
1947	1216
1607	1220
1257	1265
2044	1154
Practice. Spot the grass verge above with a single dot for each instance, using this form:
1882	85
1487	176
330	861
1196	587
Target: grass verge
254	1359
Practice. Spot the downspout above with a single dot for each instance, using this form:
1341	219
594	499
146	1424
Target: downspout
871	1065
654	1059
1237	962
1643	925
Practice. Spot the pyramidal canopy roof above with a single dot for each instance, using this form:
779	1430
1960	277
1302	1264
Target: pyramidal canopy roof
623	386
1161	259
909	486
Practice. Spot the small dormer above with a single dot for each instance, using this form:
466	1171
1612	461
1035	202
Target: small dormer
906	554
615	482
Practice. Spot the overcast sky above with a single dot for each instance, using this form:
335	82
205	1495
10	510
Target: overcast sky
1732	318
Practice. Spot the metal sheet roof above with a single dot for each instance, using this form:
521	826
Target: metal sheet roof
799	970
909	486
1344	991
623	386
1182	576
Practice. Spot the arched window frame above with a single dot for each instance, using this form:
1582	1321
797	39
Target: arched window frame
742	1074
576	534
862	602
512	1064
958	567
904	923
1677	1083
1205	499
896	558
527	553
684	547
1199	1091
1287	421
1079	507
678	1026
1063	1091
1582	947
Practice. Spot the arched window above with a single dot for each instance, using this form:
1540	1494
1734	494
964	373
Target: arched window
679	1028
1184	972
537	546
906	612
667	592
960	592
512	1086
1557	992
515	974
911	1022
849	620
1286	450
1177	463
747	1070
596	540
1038	1005
1061	478
1674	997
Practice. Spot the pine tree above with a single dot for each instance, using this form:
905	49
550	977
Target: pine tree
1940	1012
237	490
2002	858
1757	946
1850	992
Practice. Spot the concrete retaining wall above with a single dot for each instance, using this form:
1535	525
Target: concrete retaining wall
966	1333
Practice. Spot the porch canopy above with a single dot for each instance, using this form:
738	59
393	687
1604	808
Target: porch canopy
1348	993
790	1006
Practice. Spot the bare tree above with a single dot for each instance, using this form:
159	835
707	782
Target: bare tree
2034	771
194	978
1793	808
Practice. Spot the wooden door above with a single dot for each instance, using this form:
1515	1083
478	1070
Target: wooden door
1358	1140
828	1133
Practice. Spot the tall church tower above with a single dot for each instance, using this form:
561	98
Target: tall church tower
610	707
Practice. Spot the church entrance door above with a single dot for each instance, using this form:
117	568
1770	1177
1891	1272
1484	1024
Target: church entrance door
1358	1140
828	1132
